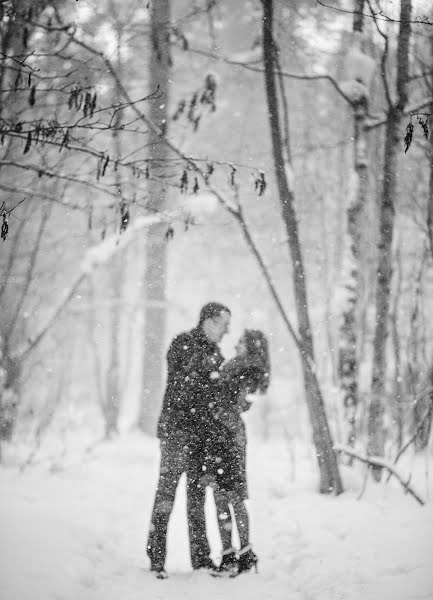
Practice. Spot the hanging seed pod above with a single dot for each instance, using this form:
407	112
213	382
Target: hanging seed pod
424	125
124	217
408	136
28	143
5	227
184	182
169	234
232	176
32	96
105	165
209	170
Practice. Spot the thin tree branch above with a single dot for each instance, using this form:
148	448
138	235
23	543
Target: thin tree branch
30	271
23	352
410	110
21	63
28	192
43	171
376	461
271	286
95	256
427	392
380	15
11	257
154	128
384	58
278	72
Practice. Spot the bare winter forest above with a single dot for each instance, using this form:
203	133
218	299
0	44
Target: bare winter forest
272	155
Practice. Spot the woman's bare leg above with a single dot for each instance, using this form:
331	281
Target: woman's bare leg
242	521
224	519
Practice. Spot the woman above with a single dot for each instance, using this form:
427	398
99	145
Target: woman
248	372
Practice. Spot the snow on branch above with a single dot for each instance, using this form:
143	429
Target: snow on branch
247	57
377	461
101	253
95	256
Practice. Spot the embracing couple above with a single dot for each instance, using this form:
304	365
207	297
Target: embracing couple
203	435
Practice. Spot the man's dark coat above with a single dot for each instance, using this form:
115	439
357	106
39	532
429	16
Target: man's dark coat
183	428
193	364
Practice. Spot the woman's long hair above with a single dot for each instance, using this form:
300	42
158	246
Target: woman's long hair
258	356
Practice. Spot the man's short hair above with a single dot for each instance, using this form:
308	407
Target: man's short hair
212	310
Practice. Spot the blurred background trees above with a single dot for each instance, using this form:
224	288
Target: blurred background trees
88	94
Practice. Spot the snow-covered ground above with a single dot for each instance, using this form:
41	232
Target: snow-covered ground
77	531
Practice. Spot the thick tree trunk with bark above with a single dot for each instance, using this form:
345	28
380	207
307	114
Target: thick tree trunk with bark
155	244
393	142
330	481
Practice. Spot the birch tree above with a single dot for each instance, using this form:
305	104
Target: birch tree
349	338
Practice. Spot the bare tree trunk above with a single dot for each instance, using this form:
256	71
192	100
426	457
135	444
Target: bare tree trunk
349	343
116	277
96	356
112	381
376	433
330	477
423	414
398	386
155	244
419	377
430	194
112	387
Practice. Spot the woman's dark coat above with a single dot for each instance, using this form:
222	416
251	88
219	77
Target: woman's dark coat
226	453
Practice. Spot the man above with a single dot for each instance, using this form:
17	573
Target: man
193	361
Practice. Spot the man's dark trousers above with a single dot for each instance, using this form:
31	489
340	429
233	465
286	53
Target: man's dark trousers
177	458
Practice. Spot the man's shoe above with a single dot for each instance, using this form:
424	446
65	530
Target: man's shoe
161	574
159	571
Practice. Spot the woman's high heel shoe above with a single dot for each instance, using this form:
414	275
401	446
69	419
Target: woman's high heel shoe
247	560
229	564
